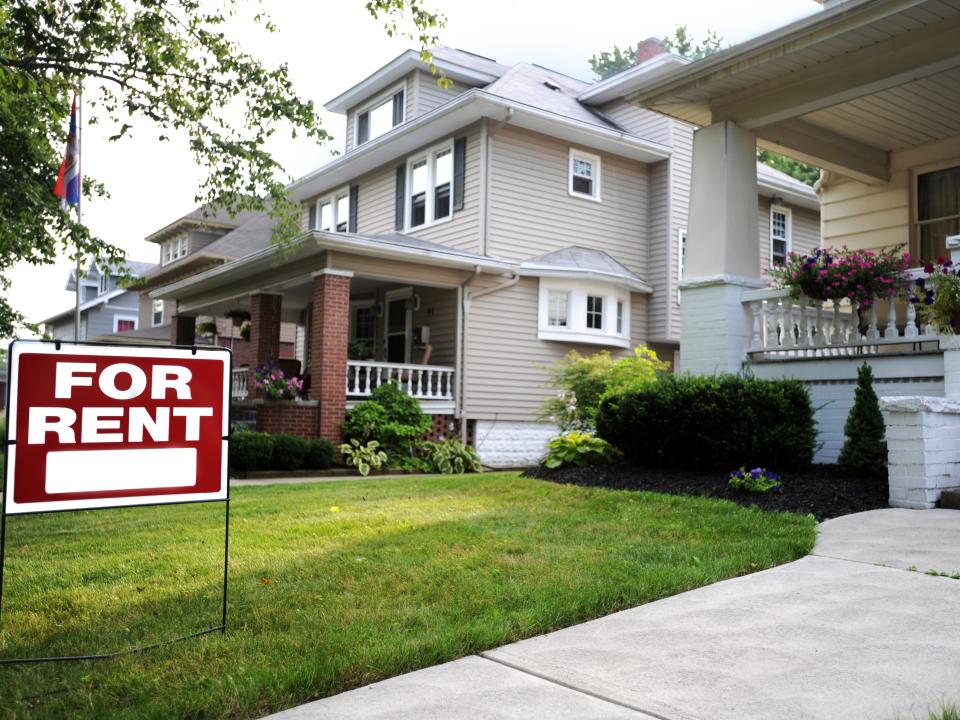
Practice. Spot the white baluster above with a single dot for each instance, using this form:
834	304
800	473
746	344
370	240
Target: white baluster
769	324
820	340
836	337
911	330
804	340
781	323
891	329
873	332
756	342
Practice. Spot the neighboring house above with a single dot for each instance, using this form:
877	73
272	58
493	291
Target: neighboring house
469	237
106	308
869	90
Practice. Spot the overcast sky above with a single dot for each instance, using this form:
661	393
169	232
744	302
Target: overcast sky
331	45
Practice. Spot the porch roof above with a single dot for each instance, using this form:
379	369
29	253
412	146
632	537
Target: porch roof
583	263
841	88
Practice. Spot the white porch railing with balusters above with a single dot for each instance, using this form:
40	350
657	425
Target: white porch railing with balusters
238	383
432	385
784	328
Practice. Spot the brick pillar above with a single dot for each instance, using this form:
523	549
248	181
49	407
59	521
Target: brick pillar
264	334
183	330
329	336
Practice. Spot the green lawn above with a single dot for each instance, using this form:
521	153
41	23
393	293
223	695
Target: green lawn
335	585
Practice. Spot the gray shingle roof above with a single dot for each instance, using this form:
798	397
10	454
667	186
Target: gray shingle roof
578	259
470	60
252	234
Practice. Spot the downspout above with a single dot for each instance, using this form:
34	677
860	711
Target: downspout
461	355
467	299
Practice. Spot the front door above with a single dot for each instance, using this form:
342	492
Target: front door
398	321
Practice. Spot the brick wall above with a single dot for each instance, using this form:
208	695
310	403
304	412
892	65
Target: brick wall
183	330
328	351
243	351
294	418
264	344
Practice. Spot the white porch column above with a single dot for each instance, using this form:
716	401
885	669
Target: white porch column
723	251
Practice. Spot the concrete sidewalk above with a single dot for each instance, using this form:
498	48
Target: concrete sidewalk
851	631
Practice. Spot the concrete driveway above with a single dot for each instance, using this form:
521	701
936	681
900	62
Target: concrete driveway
855	630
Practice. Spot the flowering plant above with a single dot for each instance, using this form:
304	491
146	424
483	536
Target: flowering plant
862	276
276	384
938	295
757	480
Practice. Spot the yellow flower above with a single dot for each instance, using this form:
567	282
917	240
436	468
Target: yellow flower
335	508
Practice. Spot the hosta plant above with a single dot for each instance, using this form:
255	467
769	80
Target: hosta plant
452	457
363	457
578	449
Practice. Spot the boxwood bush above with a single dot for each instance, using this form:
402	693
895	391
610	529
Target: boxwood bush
320	456
289	451
712	423
251	451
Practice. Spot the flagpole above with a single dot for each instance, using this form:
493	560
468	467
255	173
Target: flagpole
76	308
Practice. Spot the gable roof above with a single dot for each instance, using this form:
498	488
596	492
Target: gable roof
772	182
586	263
201	218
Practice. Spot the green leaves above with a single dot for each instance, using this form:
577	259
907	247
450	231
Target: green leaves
363	457
578	449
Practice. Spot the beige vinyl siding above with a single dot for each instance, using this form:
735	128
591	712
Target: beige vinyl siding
408	91
438	310
661	271
531	211
410	273
681	171
348	133
875	216
638	121
427	94
804	229
506	364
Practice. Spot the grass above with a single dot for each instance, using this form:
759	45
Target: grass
336	585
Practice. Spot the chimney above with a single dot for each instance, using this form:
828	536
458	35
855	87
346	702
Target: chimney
649	48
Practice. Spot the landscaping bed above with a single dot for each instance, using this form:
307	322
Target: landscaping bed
825	491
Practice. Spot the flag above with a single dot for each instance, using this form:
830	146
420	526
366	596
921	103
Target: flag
68	179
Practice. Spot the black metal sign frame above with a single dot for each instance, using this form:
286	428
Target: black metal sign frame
7	442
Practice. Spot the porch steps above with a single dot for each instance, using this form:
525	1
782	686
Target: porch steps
950	499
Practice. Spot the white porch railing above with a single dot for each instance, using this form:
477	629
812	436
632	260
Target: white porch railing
238	383
424	382
787	328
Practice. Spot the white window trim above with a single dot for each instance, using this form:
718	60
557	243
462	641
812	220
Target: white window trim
595	161
153	313
376	102
354	305
566	308
789	227
390	295
577	330
118	318
332	199
179	244
104	284
681	241
430	155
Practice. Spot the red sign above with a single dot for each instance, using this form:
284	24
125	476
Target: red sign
100	426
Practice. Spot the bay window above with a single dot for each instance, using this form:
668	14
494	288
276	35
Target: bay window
582	311
557	302
595	312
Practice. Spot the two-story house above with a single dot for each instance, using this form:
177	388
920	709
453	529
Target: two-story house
107	308
471	235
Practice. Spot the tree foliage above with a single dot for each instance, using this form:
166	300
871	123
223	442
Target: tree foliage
808	174
683	44
169	62
610	62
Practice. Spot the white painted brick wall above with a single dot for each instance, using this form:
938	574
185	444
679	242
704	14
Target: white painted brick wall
715	327
513	444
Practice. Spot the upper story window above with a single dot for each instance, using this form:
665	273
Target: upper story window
157	315
429	187
938	211
104	280
174	249
380	116
581	311
584	175
331	213
779	234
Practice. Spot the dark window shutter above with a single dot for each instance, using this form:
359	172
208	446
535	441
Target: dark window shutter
354	195
401	195
312	222
459	171
398	108
363	128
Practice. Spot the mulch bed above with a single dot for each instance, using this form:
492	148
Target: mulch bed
825	491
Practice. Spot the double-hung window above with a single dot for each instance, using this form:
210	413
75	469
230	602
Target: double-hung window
157	318
779	234
595	312
938	211
104	280
558	302
584	173
380	116
430	187
174	249
331	213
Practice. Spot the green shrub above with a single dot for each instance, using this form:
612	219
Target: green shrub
363	456
251	451
712	423
320	456
289	452
451	457
757	480
865	449
578	449
583	381
392	418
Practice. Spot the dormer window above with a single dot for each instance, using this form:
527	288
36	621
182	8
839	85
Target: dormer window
104	280
174	250
380	116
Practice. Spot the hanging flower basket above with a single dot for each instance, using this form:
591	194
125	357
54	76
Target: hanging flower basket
238	315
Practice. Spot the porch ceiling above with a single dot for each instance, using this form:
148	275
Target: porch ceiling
841	88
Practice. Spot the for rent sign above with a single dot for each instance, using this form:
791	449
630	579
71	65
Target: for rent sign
100	426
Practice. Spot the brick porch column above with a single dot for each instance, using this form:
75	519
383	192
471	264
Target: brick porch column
264	334
183	330
329	337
